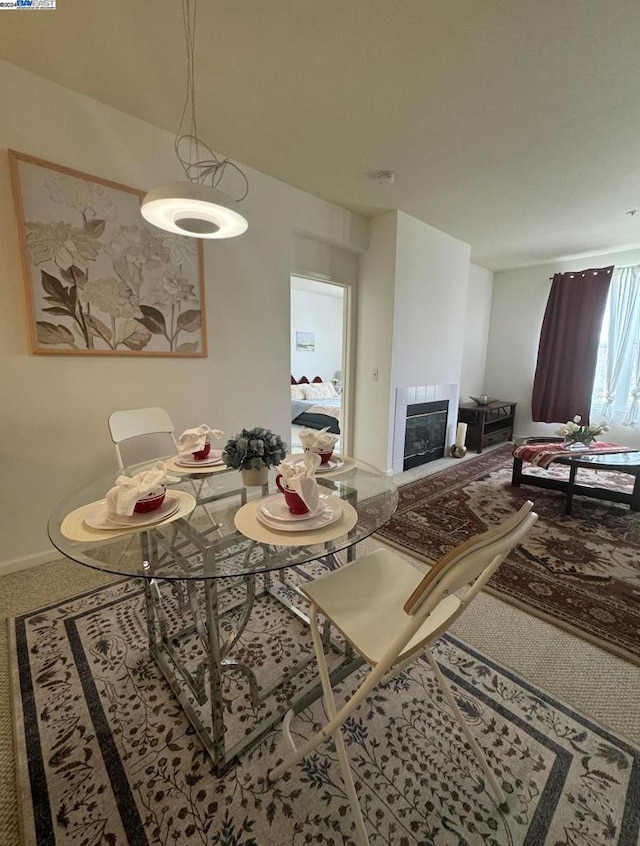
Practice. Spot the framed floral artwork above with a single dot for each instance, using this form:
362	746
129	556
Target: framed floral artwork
99	279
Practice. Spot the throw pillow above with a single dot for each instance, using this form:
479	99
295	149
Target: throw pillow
323	390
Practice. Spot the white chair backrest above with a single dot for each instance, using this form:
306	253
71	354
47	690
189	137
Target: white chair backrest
134	422
471	563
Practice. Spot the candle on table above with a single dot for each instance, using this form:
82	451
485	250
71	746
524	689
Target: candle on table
461	434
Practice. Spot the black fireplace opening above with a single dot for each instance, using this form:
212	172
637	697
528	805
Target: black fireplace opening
426	433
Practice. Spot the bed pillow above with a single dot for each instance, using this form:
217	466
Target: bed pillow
297	392
331	388
321	390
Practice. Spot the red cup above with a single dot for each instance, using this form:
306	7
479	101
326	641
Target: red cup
151	501
201	454
324	456
294	503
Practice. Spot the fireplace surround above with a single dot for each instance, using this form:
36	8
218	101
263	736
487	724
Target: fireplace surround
417	395
426	433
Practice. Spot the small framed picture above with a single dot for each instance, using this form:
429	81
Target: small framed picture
305	342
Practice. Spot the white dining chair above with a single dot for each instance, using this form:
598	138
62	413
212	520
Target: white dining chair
157	429
390	613
138	422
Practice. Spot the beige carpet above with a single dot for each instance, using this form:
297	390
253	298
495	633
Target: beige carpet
593	681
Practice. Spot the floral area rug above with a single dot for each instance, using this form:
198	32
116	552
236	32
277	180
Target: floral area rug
580	572
106	756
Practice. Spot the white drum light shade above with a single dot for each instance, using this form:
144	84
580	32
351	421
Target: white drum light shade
190	208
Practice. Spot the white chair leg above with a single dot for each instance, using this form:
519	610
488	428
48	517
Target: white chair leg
286	729
398	668
330	705
477	751
372	680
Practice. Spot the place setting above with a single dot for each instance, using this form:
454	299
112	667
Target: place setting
321	442
299	513
133	502
196	454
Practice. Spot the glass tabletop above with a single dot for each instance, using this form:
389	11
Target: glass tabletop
205	543
610	460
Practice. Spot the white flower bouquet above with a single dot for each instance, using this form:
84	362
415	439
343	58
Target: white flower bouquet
573	430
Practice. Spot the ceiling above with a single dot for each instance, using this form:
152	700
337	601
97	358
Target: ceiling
513	125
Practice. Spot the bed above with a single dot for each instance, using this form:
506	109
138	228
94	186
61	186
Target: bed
315	404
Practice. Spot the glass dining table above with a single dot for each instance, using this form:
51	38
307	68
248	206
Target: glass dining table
223	553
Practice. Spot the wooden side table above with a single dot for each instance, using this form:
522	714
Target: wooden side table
487	424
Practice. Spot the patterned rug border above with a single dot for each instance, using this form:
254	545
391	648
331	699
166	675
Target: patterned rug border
23	765
630	823
26	822
508	600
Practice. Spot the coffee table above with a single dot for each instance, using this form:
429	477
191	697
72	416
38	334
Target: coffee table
623	462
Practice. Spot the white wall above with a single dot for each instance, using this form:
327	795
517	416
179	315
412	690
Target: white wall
432	275
476	332
411	322
53	430
375	335
322	315
519	301
321	260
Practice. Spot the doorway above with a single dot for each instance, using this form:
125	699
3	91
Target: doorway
319	343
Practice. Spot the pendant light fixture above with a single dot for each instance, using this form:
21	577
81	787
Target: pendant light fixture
197	207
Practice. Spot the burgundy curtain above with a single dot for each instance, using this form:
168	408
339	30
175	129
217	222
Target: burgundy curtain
569	345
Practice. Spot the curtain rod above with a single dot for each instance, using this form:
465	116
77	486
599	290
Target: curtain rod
595	273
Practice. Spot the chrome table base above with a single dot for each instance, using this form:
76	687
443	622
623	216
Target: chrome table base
216	630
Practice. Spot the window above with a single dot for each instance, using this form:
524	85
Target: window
616	388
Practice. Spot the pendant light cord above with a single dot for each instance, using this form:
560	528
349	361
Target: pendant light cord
198	161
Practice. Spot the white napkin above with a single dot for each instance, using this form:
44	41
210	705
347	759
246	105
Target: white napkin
299	477
318	439
193	440
122	497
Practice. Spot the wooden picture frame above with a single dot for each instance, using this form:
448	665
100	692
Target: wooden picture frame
99	279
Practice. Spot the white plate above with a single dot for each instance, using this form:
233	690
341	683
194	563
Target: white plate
275	507
214	457
167	509
332	464
99	517
331	513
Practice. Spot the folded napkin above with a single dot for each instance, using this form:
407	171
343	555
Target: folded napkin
122	497
318	439
193	440
299	477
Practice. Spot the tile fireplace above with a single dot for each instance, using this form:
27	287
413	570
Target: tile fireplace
425	433
424	424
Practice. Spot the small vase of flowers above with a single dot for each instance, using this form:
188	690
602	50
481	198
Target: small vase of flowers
253	452
577	436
